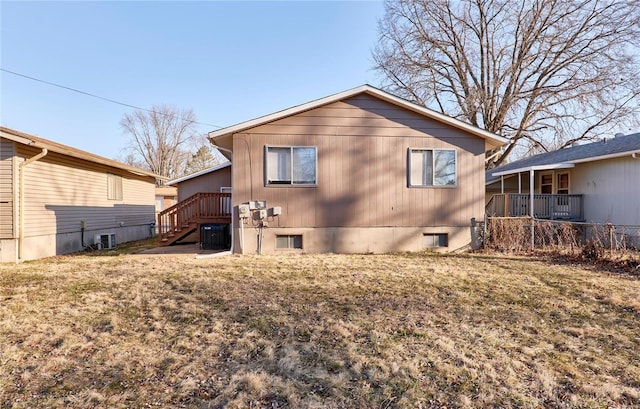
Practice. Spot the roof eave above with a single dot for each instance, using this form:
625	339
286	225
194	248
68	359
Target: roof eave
534	168
200	173
610	156
24	139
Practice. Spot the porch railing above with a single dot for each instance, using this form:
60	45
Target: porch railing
545	206
199	208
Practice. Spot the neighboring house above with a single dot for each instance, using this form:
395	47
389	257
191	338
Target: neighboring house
166	196
55	199
355	172
597	182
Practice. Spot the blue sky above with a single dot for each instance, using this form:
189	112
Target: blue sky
228	61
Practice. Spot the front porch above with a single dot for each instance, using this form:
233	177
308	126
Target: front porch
545	206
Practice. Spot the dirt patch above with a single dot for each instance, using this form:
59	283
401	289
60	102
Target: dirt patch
190	249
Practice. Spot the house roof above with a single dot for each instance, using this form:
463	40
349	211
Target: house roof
567	157
200	173
166	191
491	139
41	143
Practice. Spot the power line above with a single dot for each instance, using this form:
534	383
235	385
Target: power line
96	96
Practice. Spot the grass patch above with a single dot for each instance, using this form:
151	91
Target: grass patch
384	331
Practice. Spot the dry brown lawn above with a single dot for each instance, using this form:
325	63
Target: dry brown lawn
325	331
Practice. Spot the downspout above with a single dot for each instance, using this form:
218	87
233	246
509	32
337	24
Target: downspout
21	167
232	194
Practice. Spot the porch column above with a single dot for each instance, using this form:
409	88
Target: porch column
531	180
502	184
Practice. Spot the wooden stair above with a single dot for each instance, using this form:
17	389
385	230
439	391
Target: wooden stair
186	216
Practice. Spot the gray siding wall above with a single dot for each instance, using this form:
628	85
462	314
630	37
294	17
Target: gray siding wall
209	183
362	168
611	190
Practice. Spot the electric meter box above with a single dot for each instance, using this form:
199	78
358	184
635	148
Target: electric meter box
257	204
243	211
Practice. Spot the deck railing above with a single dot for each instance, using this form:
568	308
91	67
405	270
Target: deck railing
199	208
545	206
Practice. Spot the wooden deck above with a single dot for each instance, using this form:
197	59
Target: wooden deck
545	206
185	217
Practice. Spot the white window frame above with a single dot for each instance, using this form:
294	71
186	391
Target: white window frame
290	182
411	183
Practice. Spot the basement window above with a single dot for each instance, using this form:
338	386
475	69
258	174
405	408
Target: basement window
434	240
114	187
289	241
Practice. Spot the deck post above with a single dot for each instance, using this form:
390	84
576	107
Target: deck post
506	206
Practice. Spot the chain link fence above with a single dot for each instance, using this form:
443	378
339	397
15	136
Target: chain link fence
592	240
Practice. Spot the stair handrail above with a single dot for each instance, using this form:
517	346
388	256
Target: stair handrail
187	211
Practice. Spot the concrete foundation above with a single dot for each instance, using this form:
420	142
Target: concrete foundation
352	239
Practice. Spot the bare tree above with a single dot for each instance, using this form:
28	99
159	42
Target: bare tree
160	138
545	73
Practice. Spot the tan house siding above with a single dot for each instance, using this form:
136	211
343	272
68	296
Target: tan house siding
61	192
7	150
208	183
362	147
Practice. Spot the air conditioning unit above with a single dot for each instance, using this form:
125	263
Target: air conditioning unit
105	241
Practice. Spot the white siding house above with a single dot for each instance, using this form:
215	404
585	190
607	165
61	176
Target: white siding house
603	177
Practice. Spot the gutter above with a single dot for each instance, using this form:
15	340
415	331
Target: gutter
21	167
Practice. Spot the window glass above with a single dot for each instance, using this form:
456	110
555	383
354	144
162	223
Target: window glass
304	166
546	184
563	183
278	165
289	241
444	168
435	240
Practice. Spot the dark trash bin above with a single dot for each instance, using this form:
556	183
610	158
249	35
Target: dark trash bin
215	236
